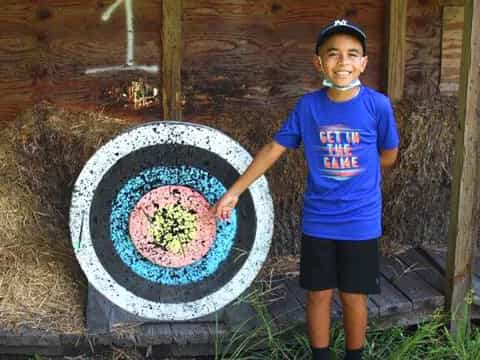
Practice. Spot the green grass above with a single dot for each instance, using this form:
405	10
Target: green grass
429	340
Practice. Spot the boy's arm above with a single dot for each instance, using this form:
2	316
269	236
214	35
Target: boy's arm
388	157
264	159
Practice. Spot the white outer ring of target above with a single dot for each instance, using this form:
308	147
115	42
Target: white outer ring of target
167	132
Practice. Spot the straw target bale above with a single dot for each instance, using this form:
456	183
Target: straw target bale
417	190
41	154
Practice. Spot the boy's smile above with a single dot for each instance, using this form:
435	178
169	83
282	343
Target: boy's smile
342	60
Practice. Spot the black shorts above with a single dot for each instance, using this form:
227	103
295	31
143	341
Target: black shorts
350	266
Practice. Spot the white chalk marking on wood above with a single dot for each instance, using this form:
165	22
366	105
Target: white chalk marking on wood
146	68
130	62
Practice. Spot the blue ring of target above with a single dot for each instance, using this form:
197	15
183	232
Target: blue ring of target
149	179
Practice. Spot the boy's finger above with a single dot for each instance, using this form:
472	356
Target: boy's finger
213	209
227	211
221	210
221	214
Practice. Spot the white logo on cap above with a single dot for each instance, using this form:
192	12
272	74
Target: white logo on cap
340	22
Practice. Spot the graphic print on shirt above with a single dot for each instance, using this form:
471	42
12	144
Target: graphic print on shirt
338	157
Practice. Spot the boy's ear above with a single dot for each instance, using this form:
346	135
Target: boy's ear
364	63
317	63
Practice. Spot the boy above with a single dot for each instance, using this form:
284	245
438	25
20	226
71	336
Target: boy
349	133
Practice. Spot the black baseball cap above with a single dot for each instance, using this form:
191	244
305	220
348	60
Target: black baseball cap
341	26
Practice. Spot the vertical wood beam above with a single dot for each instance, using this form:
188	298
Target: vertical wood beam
396	30
172	11
465	188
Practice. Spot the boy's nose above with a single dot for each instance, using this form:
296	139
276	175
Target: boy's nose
342	59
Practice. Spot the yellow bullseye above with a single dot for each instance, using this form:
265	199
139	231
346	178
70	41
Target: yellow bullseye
173	227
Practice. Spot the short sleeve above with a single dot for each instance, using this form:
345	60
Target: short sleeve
289	135
387	133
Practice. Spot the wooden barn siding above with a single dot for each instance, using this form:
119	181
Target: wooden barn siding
452	34
259	53
46	47
424	46
261	49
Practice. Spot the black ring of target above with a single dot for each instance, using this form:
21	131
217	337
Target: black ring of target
161	155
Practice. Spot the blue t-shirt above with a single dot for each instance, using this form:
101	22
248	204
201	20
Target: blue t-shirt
342	141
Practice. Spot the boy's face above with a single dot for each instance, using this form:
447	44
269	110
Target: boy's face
341	59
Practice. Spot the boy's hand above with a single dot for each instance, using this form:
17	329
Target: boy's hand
223	208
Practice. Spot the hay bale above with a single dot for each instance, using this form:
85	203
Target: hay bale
41	153
417	190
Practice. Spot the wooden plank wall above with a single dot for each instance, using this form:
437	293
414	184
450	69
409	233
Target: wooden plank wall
263	48
424	46
452	33
172	41
47	46
396	31
259	53
249	52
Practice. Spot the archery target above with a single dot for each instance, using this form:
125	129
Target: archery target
141	227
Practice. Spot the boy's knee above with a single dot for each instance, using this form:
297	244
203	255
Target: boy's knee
351	299
320	297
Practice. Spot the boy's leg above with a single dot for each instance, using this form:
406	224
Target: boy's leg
318	275
355	315
358	264
318	317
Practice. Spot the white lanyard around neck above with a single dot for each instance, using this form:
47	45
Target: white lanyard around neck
328	83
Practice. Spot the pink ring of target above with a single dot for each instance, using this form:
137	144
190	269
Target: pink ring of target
170	196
